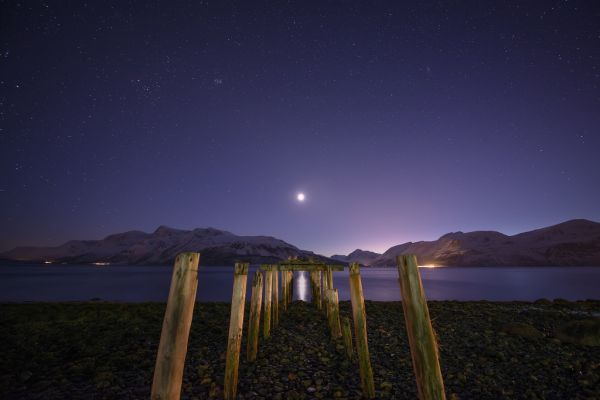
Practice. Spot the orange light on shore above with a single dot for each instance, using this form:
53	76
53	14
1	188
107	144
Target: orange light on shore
428	266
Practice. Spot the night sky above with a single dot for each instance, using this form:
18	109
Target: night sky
398	122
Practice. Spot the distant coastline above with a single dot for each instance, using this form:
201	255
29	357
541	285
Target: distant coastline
571	243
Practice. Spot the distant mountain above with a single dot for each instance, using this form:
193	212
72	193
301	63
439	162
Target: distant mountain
575	242
363	257
217	247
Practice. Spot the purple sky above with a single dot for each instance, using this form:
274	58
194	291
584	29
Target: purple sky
399	122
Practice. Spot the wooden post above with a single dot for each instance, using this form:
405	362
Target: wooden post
255	306
168	371
268	294
360	331
423	346
329	277
313	296
284	288
291	291
318	289
347	335
325	297
275	272
236	322
334	313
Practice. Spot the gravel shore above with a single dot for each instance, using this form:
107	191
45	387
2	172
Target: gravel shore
98	350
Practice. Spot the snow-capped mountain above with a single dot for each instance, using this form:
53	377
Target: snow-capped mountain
217	247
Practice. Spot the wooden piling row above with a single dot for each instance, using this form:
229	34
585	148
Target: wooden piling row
172	348
360	331
236	322
421	338
255	307
268	294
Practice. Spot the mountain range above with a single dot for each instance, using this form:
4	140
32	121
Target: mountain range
217	247
575	242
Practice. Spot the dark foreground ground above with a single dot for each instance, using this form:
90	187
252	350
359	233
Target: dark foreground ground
107	351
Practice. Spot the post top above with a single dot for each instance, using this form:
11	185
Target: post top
354	268
257	279
406	261
191	256
241	268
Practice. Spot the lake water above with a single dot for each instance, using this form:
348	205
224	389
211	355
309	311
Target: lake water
138	283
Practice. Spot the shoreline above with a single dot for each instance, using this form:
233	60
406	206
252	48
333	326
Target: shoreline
107	350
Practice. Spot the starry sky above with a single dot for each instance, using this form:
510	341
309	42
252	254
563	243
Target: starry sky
400	122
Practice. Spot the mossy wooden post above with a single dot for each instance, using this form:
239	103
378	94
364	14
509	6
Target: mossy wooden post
236	322
275	272
423	346
318	289
334	313
168	371
284	288
313	281
347	336
325	297
255	306
329	274
360	331
290	283
268	294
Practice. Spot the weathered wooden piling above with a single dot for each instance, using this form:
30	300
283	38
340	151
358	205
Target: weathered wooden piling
236	322
329	275
284	288
290	286
255	307
268	296
347	336
360	331
275	272
316	283
168	371
325	299
423	346
334	313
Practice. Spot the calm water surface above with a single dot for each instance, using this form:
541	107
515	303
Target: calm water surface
138	283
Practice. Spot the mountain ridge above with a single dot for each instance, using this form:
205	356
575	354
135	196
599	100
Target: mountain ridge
570	243
573	242
217	247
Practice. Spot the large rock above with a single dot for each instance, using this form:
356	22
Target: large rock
584	332
522	330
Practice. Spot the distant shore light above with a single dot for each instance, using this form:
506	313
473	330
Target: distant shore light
300	197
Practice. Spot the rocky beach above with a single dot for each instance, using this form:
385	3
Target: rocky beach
488	350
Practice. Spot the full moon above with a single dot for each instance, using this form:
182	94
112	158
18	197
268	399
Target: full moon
300	197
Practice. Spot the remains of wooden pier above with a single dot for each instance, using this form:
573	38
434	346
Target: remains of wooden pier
170	359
